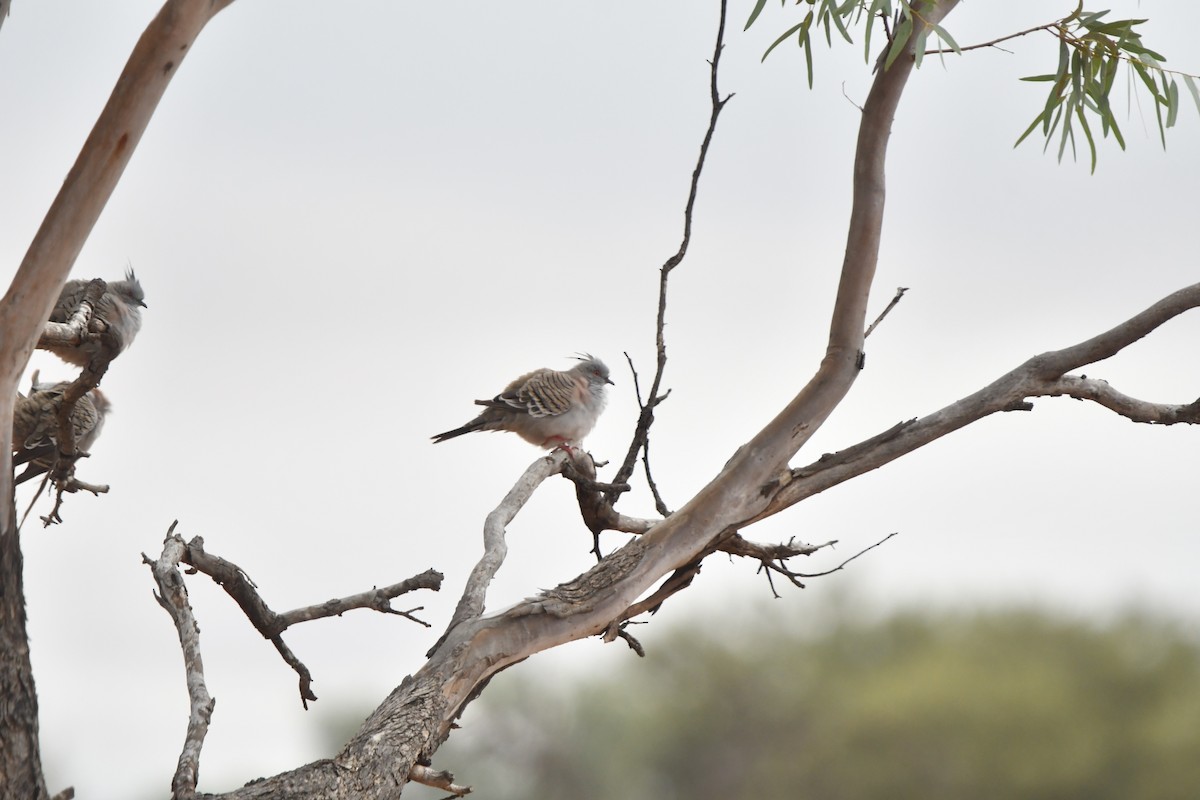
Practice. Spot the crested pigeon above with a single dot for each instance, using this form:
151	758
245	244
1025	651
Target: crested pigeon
117	315
545	407
35	425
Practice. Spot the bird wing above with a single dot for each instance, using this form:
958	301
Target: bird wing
68	300
541	393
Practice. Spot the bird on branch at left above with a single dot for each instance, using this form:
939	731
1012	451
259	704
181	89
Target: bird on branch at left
35	425
117	318
545	407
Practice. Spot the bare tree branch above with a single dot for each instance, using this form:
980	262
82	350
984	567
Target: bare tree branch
172	596
237	584
598	513
474	595
646	416
438	779
896	299
74	331
1098	391
1041	376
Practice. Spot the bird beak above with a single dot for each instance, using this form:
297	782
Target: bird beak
142	303
609	382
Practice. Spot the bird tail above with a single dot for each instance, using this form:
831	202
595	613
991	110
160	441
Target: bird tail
470	427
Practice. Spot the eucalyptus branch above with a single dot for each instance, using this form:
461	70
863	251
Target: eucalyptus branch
646	416
1043	375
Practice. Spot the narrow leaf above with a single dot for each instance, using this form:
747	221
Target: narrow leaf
1066	134
758	7
1036	121
1087	131
1052	128
1190	83
899	40
1162	132
945	36
1064	59
841	26
1142	73
783	38
1116	130
806	43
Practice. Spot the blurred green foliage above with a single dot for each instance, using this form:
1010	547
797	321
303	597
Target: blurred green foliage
993	705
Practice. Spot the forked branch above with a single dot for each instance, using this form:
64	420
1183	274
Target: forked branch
1043	375
172	596
238	585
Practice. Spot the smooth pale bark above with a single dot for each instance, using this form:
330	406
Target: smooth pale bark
24	310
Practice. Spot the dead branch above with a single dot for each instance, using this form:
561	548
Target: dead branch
238	585
438	779
598	513
1100	392
69	486
74	331
474	595
842	565
172	596
887	309
1040	376
772	563
646	414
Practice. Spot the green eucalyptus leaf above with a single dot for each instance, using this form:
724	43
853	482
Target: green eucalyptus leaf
1172	103
806	43
1036	121
899	40
945	36
1087	131
1116	131
1190	83
758	7
841	26
784	37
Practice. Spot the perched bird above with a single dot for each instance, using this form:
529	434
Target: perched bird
35	425
545	407
117	316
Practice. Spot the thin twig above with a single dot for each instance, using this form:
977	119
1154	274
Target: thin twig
1049	26
864	551
899	293
305	677
438	779
659	503
646	415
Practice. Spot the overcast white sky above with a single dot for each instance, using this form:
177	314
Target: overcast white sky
352	221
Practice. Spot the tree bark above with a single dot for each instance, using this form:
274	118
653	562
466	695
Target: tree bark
24	310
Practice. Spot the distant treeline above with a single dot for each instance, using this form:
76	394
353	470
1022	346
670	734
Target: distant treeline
987	706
